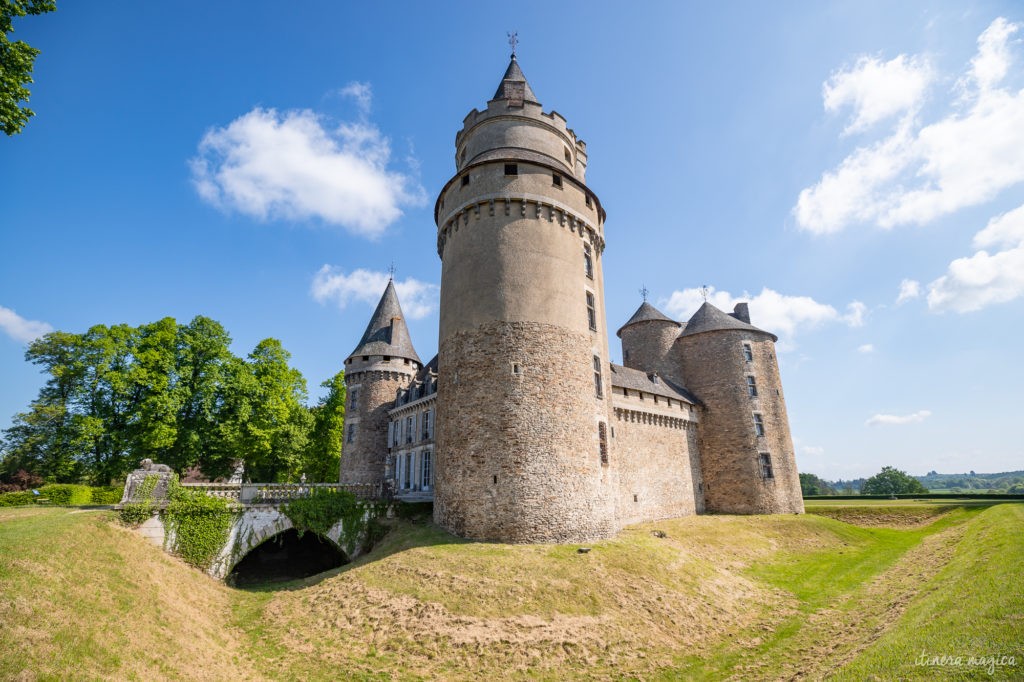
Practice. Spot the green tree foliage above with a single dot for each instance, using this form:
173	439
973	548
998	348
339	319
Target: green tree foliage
323	454
16	60
892	481
172	393
812	485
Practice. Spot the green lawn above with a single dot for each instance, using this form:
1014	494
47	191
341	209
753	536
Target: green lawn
766	597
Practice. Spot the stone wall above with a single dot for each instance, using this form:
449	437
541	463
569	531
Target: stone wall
376	383
656	453
518	455
716	369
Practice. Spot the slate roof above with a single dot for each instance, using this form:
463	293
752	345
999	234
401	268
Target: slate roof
513	74
708	318
426	369
637	380
647	313
387	334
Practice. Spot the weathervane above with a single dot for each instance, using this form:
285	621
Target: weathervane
704	292
644	292
513	40
391	271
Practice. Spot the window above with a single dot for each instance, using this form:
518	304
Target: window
748	353
602	437
465	179
556	179
407	483
766	465
589	201
353	402
752	386
516	369
396	433
568	156
758	425
427	469
351	433
588	261
511	169
597	377
591	311
408	429
426	425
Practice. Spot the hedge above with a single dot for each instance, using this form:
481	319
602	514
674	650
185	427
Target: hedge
64	495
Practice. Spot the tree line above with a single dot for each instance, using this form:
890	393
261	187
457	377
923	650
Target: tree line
174	393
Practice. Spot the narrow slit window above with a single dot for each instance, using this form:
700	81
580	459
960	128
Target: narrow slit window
752	386
591	311
598	390
748	353
766	465
588	261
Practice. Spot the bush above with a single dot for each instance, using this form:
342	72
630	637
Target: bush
67	494
109	494
17	499
200	524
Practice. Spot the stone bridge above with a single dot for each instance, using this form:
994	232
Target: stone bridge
260	517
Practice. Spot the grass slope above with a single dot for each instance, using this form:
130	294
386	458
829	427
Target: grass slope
718	598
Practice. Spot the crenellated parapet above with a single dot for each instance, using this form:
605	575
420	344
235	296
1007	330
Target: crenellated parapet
536	208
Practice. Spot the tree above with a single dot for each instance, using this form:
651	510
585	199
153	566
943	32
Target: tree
892	481
812	485
16	59
323	453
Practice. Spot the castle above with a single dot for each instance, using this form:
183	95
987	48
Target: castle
520	429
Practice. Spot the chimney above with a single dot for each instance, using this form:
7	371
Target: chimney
742	312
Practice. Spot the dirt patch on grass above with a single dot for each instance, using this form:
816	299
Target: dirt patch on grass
884	517
627	607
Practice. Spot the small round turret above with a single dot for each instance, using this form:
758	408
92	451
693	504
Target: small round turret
648	340
747	457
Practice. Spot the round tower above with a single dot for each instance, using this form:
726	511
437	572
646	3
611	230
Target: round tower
524	385
747	458
383	362
648	340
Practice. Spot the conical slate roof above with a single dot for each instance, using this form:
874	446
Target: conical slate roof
512	81
387	334
708	318
647	313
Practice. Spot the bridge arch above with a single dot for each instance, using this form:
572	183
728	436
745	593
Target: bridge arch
287	555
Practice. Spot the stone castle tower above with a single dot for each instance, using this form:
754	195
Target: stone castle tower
524	379
383	362
521	430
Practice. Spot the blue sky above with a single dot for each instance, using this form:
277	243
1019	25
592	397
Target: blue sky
855	170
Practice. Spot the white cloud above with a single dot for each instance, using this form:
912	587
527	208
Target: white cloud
778	313
909	289
922	172
362	93
20	329
983	279
813	450
418	299
915	417
877	90
294	165
866	348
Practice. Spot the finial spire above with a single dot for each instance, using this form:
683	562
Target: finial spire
644	292
513	40
704	292
391	272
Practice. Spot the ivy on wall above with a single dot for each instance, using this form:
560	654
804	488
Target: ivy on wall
198	523
321	510
136	513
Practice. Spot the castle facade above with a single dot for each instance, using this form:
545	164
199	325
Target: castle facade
521	429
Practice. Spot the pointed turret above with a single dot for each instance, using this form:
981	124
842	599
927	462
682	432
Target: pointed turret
647	313
514	86
387	334
709	318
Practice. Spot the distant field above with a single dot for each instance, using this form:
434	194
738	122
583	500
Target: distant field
719	597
